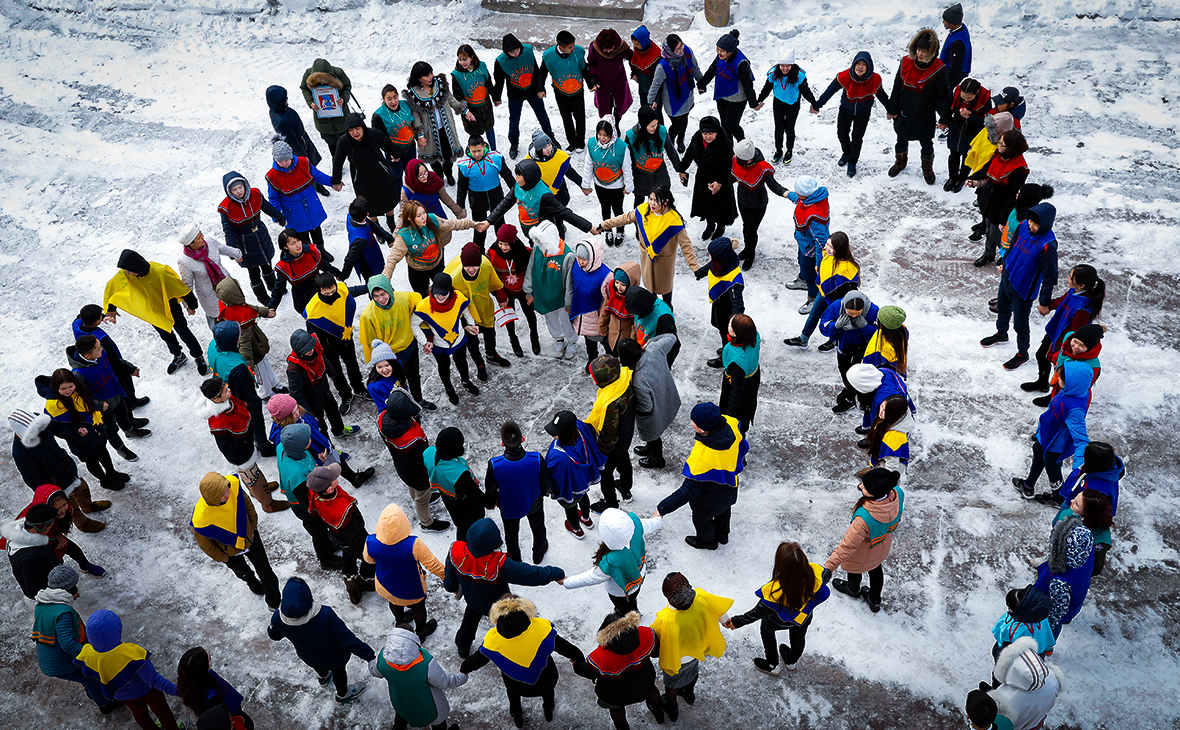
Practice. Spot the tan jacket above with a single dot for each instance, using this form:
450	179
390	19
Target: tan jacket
398	249
211	491
854	552
659	274
393	527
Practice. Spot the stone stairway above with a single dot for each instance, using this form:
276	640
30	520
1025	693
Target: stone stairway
537	22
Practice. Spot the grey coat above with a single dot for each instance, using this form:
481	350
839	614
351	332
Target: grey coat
656	399
657	90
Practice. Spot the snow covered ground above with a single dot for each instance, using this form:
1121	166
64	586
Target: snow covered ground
118	119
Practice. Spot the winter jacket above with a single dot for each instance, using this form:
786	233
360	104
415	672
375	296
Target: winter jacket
422	249
30	555
710	473
735	79
857	552
300	272
103	377
848	341
1065	576
58	631
651	159
675	82
659	273
1031	263
694	632
522	489
417	682
961	131
741	380
40	459
392	324
484	573
193	274
485	292
241	221
547	206
1002	178
288	125
620	666
812	219
615	323
231	424
1106	482
400	558
253	345
313	395
1030	685
520	74
291	190
617	529
613	413
784	89
320	637
956	54
921	93
584	287
657	399
714	165
1061	429
214	532
753	177
856	92
323	73
1030	618
405	439
442	141
125	670
609	70
368	165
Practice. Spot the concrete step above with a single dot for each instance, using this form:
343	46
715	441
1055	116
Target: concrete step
540	31
610	9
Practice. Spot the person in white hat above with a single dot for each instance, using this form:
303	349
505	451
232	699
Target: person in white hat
201	269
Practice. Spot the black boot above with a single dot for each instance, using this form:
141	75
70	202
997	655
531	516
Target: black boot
534	342
653	455
260	293
516	348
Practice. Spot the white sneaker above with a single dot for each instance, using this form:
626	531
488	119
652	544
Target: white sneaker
559	349
806	308
571	349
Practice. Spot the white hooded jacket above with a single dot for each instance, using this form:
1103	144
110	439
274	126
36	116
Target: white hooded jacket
1030	684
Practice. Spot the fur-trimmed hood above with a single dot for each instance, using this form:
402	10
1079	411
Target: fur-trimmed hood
618	631
29	430
1069	546
18	538
928	33
321	77
512	603
208	409
1020	666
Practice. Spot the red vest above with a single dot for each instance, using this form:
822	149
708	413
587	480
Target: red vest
512	279
486	568
334	512
917	78
858	90
407	439
243	314
1000	169
314	368
645	61
289	182
751	175
235	420
296	270
804	213
241	214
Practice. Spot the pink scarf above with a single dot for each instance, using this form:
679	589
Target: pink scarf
211	268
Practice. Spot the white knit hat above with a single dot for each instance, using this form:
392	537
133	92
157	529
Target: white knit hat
744	150
806	185
188	234
788	57
864	377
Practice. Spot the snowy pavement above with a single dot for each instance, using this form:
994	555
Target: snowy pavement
118	119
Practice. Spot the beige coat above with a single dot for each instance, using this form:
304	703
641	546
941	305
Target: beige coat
659	273
211	491
854	552
398	250
393	527
609	326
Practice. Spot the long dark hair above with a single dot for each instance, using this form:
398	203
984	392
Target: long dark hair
466	50
792	75
410	214
1097	510
193	680
60	376
1015	144
795	577
841	248
417	71
600	553
1087	276
896	407
399	372
900	343
1098	457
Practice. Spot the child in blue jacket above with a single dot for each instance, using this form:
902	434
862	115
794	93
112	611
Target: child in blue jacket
788	81
848	324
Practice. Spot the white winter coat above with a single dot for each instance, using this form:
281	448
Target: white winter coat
616	529
194	276
1030	685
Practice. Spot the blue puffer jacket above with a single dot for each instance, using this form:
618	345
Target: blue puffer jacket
483	538
320	637
302	209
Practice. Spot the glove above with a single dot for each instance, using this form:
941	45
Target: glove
701	272
826	576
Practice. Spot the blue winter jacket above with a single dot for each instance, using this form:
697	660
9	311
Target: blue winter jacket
847	340
1062	427
1106	482
811	240
302	209
320	637
483	538
105	632
1031	263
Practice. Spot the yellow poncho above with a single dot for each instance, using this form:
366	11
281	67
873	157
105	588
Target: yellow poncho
694	632
146	297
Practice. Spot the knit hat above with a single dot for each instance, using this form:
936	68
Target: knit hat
647	115
354	120
280	151
879	482
1089	334
729	41
788	58
891	317
953	15
506	232
295	439
563	422
302	342
63	577
188	234
449	444
706	415
211	388
744	150
322	477
711	124
678	591
21	421
442	284
280	406
622	277
541	140
805	186
722	254
864	377
471	254
381	351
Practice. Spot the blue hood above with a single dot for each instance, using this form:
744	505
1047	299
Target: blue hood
483	537
1046	214
226	335
297	601
642	35
818	195
276	99
861	56
1077	377
1034	606
228	179
104	629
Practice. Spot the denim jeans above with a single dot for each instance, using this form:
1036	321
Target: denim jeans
1008	304
514	107
91	684
807	273
818	307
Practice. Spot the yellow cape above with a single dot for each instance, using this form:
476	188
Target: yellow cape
146	297
695	633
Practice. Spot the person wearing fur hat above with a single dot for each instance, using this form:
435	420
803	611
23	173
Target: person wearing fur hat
472	82
417	682
613	419
621	559
227	363
605	64
615	323
657	400
241	223
565	64
674	85
289	126
788	81
78	419
858	86
232	424
621	669
473	276
290	188
544	284
889	346
517	482
812	218
307	377
787	603
153	292
575	462
585	286
401	561
320	637
837	274
406	441
338	509
849	324
451	476
753	175
516	68
60	635
295	462
726	287
40	460
510	258
608	163
521	646
660	229
712	190
480	572
327	91
711	472
253	344
874	386
445	319
921	97
956	51
285	411
1027	615
480	173
387	318
1030	686
998	184
200	267
368	153
649	143
31	554
225	526
126	672
734	87
869	537
688	631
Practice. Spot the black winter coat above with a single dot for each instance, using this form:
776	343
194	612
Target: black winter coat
714	164
996	201
286	123
314	397
31	566
45	463
917	110
371	171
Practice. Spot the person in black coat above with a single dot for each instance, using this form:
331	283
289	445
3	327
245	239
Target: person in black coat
368	154
528	176
307	377
998	182
289	126
640	302
753	175
40	459
739	388
712	191
406	441
241	224
621	667
469	503
723	264
921	93
29	550
969	102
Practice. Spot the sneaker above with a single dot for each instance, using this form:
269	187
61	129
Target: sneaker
139	433
778	157
354	691
783	652
325	679
806	306
601	506
993	340
481	372
575	531
363	476
470	387
323	191
177	361
559	349
828	346
139	422
437	526
787	157
202	366
95	569
346	403
127	454
766	667
350	431
571	350
427	629
1017	360
428	405
714	362
110	707
1025	490
842	161
842	406
798	284
648	462
1052	499
795	342
642	449
585	519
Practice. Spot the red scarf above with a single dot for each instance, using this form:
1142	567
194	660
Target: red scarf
289	182
433	183
804	213
298	269
616	303
858	90
333	511
211	268
915	77
445	306
239	214
407	439
485	568
751	175
315	367
1000	167
235	419
612	664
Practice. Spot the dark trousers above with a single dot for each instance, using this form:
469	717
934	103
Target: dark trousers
353	562
262	281
1009	304
991	237
514	107
179	327
517	299
92	686
618	462
536	520
573	117
460	357
582	506
927	146
420	280
76	553
1048	462
98	462
414	611
730	113
850	131
409	360
625	604
844	361
796	636
256	554
467	628
329	415
876	582
342	355
317	237
751	219
489	340
807	272
677	128
158	703
784	123
321	542
480	203
610	201
1043	365
956	165
712	528
339	680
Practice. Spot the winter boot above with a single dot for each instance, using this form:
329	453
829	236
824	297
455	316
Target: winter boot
1041	384
516	348
653	455
481	373
79	517
202	366
928	170
851	169
82	501
534	342
322	190
843	160
352	584
903	159
255	586
261	293
452	396
470	387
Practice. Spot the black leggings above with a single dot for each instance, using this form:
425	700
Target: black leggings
443	168
1044	461
844	361
518	300
610	200
850	131
785	116
618	462
876	582
731	118
751	220
677	129
317	237
76	553
1043	366
98	463
957	166
625	604
796	636
415	611
459	356
179	327
262	281
420	280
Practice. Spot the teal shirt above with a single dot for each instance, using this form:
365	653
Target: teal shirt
293	472
565	72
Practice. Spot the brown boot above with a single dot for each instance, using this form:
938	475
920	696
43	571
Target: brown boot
81	500
271	486
928	170
355	587
902	159
257	488
82	522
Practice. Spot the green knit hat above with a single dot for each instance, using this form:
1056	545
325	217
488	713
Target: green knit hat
891	317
